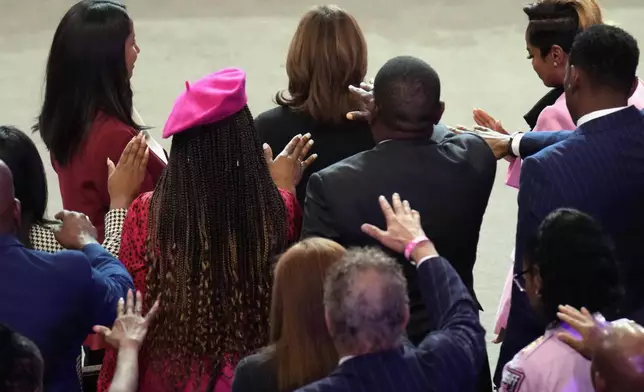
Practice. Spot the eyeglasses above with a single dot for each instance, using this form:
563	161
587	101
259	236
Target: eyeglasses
519	280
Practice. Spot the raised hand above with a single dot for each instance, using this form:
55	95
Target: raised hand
124	179
365	95
483	119
75	231
287	168
130	326
403	224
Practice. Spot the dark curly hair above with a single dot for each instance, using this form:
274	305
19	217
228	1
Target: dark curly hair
608	55
216	222
577	265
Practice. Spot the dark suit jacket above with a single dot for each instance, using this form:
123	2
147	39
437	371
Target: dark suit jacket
333	142
598	169
449	183
256	373
55	299
447	359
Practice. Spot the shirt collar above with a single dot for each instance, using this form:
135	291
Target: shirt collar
597	114
344	359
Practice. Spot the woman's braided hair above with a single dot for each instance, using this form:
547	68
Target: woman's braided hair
216	222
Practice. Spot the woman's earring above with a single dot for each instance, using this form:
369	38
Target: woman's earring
555	64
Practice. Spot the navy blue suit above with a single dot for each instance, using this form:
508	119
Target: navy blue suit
597	169
448	359
55	299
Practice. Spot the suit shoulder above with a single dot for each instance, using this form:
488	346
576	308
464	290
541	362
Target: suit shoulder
472	149
328	384
342	167
67	265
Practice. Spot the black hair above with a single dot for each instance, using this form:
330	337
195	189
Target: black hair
608	55
21	365
86	74
577	264
216	221
405	91
20	154
552	23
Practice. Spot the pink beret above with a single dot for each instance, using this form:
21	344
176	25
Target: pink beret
210	99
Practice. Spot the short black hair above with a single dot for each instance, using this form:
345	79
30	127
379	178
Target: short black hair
405	91
551	23
20	154
21	365
577	264
608	55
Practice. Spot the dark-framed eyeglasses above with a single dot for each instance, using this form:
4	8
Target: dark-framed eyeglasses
519	279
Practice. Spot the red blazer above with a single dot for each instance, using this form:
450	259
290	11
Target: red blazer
83	181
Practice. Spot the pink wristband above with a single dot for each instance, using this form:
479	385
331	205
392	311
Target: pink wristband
413	244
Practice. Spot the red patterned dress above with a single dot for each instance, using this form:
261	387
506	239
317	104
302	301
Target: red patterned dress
132	254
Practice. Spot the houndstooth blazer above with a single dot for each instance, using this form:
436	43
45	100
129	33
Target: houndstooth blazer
42	237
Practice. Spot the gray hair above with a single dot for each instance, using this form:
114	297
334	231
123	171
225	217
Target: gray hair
365	297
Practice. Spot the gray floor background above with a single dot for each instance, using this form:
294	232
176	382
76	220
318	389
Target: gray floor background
477	47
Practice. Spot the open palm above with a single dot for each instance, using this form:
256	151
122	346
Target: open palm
130	326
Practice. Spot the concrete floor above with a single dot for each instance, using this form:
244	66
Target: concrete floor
477	47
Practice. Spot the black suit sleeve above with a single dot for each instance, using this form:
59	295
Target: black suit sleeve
458	337
317	217
243	376
533	142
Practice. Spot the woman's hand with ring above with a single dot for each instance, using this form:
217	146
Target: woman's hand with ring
286	169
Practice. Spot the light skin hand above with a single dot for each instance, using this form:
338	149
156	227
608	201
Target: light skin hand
403	226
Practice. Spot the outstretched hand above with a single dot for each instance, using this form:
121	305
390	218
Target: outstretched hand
287	168
589	328
130	326
364	93
485	120
500	143
403	224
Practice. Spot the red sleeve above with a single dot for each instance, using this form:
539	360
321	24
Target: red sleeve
293	215
133	240
110	141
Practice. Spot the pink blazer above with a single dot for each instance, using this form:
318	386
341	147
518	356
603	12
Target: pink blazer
557	118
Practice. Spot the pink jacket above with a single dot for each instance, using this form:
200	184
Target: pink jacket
557	118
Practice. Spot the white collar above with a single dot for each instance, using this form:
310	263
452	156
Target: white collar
597	114
344	359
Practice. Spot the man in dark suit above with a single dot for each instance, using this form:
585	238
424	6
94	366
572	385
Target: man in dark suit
448	181
55	299
597	169
366	308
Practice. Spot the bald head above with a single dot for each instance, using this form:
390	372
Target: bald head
366	303
619	360
9	207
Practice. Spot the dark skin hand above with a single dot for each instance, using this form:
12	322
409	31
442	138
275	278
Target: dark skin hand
75	231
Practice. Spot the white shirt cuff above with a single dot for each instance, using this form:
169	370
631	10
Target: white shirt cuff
516	142
425	258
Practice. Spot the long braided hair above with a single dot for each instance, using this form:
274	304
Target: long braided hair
216	222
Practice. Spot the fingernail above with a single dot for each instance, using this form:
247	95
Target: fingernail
314	155
349	116
311	142
265	146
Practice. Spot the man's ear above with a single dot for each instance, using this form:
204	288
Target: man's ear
636	82
17	212
573	78
328	322
439	112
